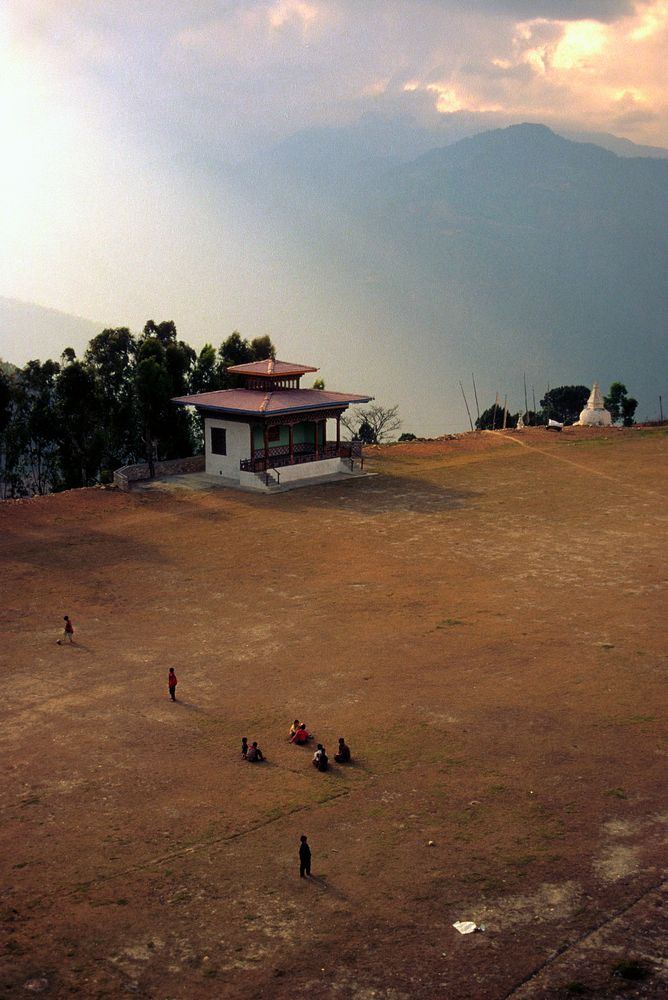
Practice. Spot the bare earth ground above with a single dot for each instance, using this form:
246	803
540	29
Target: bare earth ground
484	620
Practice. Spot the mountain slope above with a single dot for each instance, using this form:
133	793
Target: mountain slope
30	331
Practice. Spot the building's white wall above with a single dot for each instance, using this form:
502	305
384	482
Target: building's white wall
307	470
238	448
296	473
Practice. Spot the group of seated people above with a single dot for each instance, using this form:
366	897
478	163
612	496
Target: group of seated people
300	735
251	753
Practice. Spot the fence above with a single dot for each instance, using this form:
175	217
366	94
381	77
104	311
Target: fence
129	474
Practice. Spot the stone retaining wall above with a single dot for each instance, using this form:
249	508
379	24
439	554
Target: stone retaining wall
129	474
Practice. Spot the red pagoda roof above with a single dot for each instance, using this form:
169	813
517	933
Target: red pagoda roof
256	402
270	368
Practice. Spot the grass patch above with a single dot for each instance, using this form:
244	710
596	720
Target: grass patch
616	793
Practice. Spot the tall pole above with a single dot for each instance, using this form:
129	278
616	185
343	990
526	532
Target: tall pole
661	408
466	404
505	411
496	406
533	393
475	393
526	404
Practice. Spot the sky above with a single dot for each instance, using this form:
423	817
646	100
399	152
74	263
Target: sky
115	116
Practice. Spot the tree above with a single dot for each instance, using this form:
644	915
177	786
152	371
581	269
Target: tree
372	424
237	351
319	383
152	385
164	369
111	355
262	348
620	404
34	429
491	419
80	426
565	403
407	437
206	374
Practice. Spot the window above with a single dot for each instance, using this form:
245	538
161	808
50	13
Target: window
218	441
274	434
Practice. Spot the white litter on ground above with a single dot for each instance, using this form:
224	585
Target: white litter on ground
465	926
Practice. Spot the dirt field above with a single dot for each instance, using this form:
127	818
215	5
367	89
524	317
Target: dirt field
484	620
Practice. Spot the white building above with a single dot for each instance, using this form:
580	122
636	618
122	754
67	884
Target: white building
271	430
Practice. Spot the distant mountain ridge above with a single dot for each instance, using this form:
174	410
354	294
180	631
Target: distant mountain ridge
508	251
29	331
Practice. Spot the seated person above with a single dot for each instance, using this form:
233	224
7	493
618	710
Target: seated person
317	755
302	735
244	747
254	753
323	760
293	729
342	755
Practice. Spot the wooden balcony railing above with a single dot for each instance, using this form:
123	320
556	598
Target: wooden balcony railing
279	456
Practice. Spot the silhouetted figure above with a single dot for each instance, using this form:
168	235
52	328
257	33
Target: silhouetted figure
254	754
342	755
304	857
171	683
68	632
320	758
244	747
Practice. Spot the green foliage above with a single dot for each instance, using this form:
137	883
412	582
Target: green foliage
491	419
237	351
620	404
407	436
71	424
565	403
319	383
79	427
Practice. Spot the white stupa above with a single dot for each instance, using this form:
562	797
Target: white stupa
595	413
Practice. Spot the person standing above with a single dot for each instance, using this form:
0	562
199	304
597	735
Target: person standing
68	631
304	857
172	681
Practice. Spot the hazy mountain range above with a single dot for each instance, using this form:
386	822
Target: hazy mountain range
514	250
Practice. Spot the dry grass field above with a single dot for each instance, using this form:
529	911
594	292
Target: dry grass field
483	619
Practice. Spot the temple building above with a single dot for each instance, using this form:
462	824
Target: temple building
270	431
595	413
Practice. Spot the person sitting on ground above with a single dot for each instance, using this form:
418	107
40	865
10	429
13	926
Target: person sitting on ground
317	754
323	760
302	735
254	754
293	729
342	755
244	747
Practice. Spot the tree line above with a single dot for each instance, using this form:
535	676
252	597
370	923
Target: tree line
69	423
564	403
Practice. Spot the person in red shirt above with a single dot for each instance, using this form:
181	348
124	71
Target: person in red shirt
171	683
301	736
